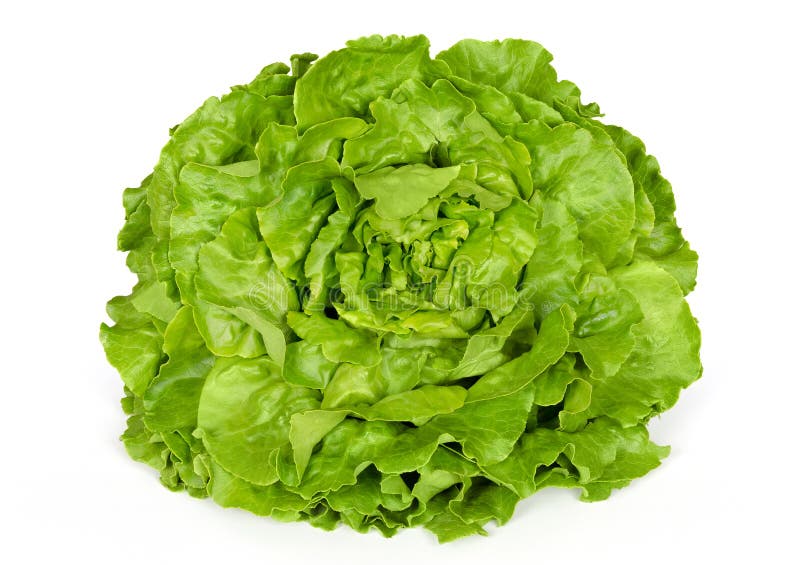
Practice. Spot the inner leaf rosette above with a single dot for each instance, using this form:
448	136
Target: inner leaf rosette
389	290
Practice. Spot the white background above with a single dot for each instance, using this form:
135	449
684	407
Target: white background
88	93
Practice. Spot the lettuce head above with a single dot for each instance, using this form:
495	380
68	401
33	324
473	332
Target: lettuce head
390	290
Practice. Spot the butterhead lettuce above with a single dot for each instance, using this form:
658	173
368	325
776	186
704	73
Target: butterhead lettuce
389	290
